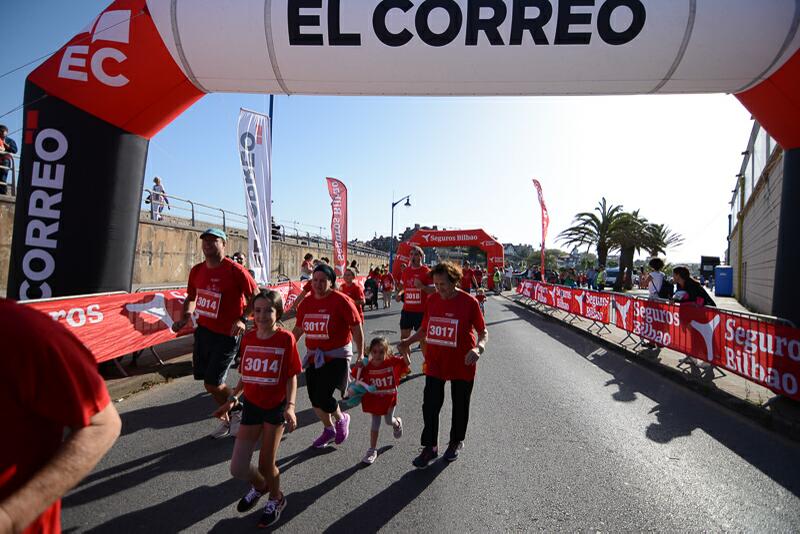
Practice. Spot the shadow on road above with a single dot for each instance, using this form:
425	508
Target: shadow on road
376	512
678	413
183	412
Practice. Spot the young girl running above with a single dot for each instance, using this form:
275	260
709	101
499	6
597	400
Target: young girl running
269	368
382	371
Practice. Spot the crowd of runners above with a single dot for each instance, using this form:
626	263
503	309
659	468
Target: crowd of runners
438	312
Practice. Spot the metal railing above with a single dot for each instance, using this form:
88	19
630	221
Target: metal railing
11	187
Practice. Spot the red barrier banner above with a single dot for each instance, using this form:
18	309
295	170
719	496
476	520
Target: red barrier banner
114	325
563	298
623	312
592	305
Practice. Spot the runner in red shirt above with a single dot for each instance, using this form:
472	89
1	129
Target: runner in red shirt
468	278
387	285
382	371
52	384
330	322
269	368
456	337
415	286
353	290
219	291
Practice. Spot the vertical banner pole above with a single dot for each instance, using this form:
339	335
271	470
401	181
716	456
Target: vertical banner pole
545	222
255	152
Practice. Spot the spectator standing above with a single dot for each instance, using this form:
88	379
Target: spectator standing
600	279
7	147
654	280
55	385
158	199
497	278
219	291
591	278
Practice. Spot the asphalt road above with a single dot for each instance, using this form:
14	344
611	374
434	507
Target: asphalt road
563	436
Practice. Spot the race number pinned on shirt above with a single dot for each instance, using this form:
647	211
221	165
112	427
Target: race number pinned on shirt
207	303
413	296
315	325
262	365
442	331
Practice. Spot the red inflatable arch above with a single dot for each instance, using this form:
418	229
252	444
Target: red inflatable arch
451	238
91	108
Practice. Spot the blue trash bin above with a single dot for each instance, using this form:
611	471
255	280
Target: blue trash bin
723	281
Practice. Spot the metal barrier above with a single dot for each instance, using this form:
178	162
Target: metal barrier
12	185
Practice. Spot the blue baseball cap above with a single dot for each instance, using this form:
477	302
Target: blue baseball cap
216	232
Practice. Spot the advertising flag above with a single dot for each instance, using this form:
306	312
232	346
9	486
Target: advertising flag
338	193
255	151
545	219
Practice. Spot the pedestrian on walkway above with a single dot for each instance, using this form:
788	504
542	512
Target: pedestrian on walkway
387	286
497	278
51	385
383	370
331	324
455	335
269	368
219	291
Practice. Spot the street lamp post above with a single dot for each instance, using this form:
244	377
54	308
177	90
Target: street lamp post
407	198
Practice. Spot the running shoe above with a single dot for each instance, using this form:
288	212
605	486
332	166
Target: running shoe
272	512
398	429
223	431
370	457
342	428
328	435
247	502
235	422
425	457
451	454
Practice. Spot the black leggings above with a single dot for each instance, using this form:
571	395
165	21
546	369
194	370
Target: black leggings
433	398
322	382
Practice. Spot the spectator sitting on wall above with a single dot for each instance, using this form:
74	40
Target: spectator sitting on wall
158	199
307	267
8	146
354	266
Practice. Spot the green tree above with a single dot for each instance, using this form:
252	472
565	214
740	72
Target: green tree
628	233
551	256
660	237
590	228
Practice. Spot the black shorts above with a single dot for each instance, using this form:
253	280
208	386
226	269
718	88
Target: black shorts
410	320
256	415
212	355
323	382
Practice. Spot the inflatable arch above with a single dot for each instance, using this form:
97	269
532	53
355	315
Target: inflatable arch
451	238
91	107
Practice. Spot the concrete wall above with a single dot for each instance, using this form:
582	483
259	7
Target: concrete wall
758	225
165	251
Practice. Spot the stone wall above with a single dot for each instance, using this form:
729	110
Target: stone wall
165	251
758	224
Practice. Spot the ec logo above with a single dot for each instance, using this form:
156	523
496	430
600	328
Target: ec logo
112	26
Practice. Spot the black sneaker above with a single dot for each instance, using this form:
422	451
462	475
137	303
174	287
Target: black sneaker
247	502
272	512
451	454
425	457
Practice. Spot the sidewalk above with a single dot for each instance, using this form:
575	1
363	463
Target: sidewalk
749	399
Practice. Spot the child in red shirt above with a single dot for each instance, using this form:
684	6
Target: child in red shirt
269	367
382	371
481	297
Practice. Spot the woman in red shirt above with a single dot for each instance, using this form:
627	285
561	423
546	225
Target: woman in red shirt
353	290
269	368
330	321
387	286
455	338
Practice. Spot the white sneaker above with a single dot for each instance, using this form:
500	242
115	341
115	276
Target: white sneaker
235	422
370	457
223	431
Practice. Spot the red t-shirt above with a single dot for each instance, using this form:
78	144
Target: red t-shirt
266	367
384	376
52	383
387	281
220	294
467	279
307	287
414	299
450	327
356	293
480	298
326	322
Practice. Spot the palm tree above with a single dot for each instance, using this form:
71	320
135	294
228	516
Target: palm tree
629	234
592	229
660	238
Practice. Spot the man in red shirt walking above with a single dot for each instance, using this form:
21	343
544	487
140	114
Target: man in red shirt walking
415	286
219	292
52	384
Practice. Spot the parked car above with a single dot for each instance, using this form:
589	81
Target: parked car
611	276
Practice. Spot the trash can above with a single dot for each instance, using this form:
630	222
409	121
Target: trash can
723	281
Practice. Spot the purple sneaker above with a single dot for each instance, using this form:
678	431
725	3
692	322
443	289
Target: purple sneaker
325	438
342	428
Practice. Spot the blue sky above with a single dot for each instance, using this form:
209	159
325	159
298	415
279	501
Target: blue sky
466	162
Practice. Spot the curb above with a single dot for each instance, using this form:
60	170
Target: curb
767	415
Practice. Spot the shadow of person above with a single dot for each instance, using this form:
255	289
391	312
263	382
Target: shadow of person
182	412
624	393
179	513
379	509
668	426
